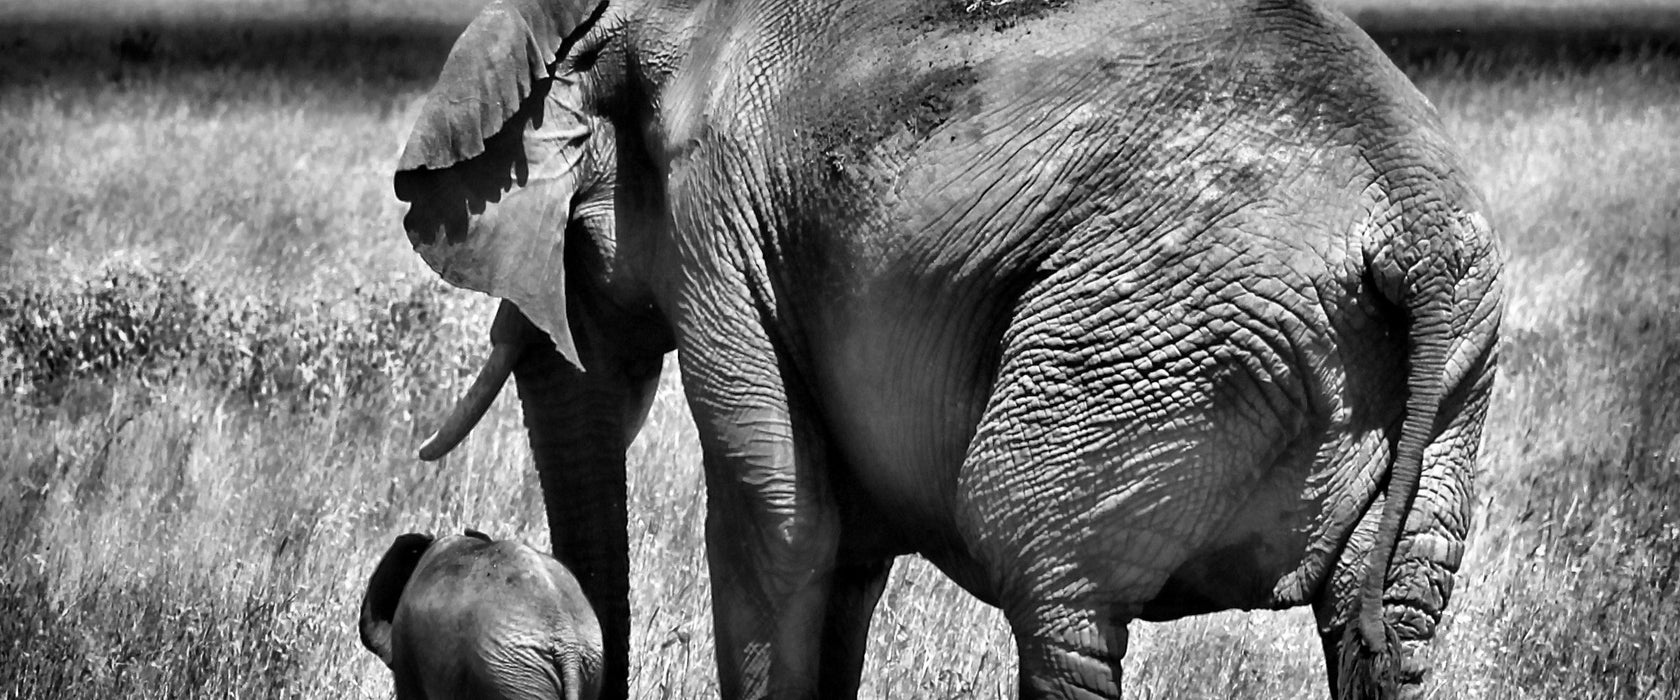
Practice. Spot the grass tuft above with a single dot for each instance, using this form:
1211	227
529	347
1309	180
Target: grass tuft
381	344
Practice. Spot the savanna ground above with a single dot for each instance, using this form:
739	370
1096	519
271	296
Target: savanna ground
217	355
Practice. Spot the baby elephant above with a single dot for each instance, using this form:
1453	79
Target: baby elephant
467	617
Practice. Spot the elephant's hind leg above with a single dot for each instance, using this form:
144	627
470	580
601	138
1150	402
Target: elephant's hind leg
1078	541
1069	653
773	526
1119	443
1420	577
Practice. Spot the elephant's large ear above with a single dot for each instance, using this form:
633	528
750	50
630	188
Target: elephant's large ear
493	67
496	157
385	589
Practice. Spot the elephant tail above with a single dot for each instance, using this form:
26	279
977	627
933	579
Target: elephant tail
571	675
1426	288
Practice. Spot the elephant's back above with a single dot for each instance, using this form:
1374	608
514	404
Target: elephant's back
958	165
915	132
920	140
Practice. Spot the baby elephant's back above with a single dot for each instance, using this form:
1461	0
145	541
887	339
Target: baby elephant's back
489	620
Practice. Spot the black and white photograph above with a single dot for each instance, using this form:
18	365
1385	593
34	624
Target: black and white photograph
835	349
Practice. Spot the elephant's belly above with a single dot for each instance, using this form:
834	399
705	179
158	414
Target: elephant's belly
901	407
1277	548
896	481
1241	575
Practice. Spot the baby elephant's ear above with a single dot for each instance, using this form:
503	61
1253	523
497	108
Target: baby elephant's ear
385	589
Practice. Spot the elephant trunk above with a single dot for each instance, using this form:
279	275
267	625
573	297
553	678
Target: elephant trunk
575	423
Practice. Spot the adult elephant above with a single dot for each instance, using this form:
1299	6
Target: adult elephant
1111	310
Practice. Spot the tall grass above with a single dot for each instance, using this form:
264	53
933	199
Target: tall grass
218	354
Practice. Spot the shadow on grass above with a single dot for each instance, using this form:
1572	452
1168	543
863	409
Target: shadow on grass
409	52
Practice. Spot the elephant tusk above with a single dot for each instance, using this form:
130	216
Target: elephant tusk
471	407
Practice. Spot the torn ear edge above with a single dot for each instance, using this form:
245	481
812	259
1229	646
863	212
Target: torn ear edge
512	327
550	319
385	589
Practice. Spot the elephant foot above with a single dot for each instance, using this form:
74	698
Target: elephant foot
1396	670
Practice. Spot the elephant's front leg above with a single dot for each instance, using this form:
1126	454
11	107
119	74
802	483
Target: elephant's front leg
772	527
854	589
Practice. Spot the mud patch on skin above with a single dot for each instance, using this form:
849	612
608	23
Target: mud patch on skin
971	15
943	92
861	116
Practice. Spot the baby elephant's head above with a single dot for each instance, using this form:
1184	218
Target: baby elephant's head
468	616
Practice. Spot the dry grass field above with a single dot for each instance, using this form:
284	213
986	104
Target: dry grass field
217	355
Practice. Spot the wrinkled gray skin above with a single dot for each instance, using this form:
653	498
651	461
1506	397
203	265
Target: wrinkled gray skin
467	617
1111	310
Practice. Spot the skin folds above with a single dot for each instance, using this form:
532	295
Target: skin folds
1112	310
